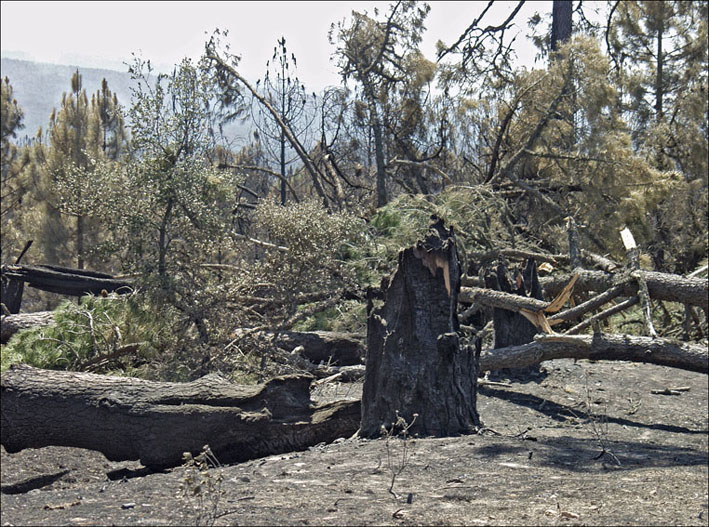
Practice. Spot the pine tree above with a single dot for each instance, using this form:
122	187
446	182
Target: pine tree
82	137
284	91
13	181
11	123
374	53
660	55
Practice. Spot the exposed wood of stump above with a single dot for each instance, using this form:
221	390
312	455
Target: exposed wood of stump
127	418
11	324
415	362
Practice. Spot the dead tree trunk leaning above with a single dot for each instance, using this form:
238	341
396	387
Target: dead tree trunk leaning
64	280
126	418
417	369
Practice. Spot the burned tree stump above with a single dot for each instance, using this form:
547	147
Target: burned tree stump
416	364
512	328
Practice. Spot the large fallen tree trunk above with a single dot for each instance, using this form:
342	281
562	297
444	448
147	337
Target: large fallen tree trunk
155	422
664	352
66	281
11	324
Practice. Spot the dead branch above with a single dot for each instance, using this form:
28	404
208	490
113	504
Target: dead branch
622	306
212	55
634	262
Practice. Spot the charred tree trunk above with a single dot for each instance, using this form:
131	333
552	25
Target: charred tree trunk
11	295
126	418
561	23
417	368
11	290
512	328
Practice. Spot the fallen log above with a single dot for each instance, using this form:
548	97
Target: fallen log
664	352
156	422
342	349
661	286
66	281
11	324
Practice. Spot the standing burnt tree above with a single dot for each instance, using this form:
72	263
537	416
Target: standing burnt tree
417	368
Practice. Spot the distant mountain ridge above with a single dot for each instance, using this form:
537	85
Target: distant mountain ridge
38	88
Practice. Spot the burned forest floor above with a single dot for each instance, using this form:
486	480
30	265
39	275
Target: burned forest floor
581	443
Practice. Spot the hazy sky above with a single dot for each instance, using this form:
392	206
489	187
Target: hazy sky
103	34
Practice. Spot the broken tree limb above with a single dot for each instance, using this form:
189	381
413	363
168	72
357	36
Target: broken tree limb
11	324
532	309
664	352
589	305
155	422
643	293
500	299
661	286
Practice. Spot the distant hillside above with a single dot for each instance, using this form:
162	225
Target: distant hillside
38	88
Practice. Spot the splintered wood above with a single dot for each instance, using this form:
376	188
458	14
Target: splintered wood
434	260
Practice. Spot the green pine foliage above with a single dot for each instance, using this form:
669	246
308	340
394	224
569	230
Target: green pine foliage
118	334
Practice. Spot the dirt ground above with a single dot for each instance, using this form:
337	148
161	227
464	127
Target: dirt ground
581	444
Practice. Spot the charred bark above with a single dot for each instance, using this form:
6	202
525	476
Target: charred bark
11	290
511	328
417	368
155	422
